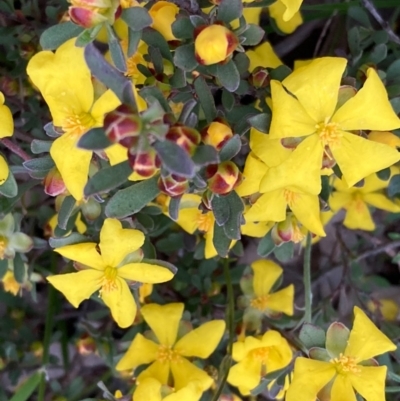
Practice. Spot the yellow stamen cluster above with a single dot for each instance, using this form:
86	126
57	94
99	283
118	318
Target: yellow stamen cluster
204	221
290	197
357	202
260	303
77	124
261	354
345	364
166	354
108	281
329	133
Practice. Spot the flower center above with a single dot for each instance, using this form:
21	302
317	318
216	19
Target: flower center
109	280
290	197
3	246
204	221
166	354
77	124
260	303
357	202
261	354
329	133
345	364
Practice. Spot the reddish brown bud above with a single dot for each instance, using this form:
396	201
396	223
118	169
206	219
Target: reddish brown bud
186	137
144	163
123	126
53	183
288	230
216	134
260	78
89	13
226	177
173	185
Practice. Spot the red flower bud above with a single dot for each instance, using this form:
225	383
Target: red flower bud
216	134
173	185
53	183
224	177
288	230
123	126
260	78
89	13
186	137
144	163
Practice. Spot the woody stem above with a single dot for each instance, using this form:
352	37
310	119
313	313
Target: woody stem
15	149
307	281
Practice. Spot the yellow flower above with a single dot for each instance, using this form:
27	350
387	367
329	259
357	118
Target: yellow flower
10	284
356	200
109	270
310	112
65	82
263	56
164	14
291	8
150	389
168	354
387	308
4	170
214	44
385	137
346	367
53	223
6	119
286	18
257	357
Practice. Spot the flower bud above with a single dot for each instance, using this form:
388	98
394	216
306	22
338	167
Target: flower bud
224	177
145	163
86	345
53	183
173	185
89	13
186	137
163	14
123	126
216	134
91	209
214	44
260	77
288	230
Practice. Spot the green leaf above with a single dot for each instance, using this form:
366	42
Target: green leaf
71	239
378	54
252	35
67	207
133	41
173	207
266	380
260	122
221	241
19	269
137	18
186	111
182	27
3	267
220	208
280	73
94	139
156	59
236	208
39	146
149	92
114	45
7	204
393	72
266	245
206	99
354	41
228	100
228	75
173	269
312	336
205	155
184	57
384	174
155	39
284	252
42	164
231	148
109	76
394	186
131	200
50	131
108	178
27	388
87	36
326	188
174	158
229	10
9	188
178	79
55	36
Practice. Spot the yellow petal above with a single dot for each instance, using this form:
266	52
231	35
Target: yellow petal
277	11
254	170
157	370
381	201
370	382
188	219
263	56
121	303
185	372
289	117
192	392
282	301
368	109
309	378
266	273
201	342
6	119
257	230
246	373
4	170
251	15
306	209
358	216
280	354
366	340
339	200
316	86
163	14
72	163
116	153
388	138
270	206
358	157
342	389
145	273
141	351
301	170
84	253
77	287
107	102
164	321
148	389
117	242
292	7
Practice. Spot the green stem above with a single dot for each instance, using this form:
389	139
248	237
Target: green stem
231	306
307	281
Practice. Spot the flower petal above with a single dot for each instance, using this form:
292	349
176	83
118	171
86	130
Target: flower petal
309	377
368	109
266	273
289	118
157	370
358	216
262	55
7	225
6	120
107	102
185	372
201	342
270	206
145	273
316	86
141	351
358	157
72	163
84	253
342	389
370	382
148	389
254	170
277	10
117	242
246	373
164	321
292	7
282	300
4	170
77	287
191	392
20	242
339	200
381	201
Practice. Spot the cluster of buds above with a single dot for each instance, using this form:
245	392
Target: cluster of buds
89	13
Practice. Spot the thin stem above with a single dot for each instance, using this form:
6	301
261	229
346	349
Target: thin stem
15	149
230	306
307	281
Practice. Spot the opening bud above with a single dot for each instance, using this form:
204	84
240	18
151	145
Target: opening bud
288	230
145	163
224	177
260	77
186	137
216	134
53	183
173	185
